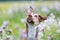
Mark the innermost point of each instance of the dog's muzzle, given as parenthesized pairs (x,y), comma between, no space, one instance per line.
(30,20)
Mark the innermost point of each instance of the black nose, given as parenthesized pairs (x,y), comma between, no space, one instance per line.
(30,20)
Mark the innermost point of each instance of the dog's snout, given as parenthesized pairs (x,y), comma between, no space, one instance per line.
(30,20)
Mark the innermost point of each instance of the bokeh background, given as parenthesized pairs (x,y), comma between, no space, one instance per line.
(14,13)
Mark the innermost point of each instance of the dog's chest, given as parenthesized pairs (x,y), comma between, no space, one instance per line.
(31,31)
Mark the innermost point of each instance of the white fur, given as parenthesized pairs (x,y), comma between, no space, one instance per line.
(32,31)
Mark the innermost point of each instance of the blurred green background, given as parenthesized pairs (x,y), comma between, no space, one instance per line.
(15,13)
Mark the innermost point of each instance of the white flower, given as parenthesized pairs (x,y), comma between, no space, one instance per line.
(1,30)
(10,11)
(9,37)
(41,26)
(49,37)
(32,4)
(51,6)
(10,31)
(52,15)
(57,5)
(51,19)
(5,24)
(40,34)
(27,6)
(21,7)
(58,24)
(44,9)
(58,30)
(23,20)
(48,28)
(15,7)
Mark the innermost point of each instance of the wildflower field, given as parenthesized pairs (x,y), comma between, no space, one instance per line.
(13,15)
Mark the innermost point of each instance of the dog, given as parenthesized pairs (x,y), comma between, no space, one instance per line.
(32,21)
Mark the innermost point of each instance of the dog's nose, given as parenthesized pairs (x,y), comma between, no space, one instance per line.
(30,20)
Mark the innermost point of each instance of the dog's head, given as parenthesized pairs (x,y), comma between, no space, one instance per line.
(34,18)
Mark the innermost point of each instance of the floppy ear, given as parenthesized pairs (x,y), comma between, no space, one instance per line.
(42,18)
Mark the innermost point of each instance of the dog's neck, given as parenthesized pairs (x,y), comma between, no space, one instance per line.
(32,31)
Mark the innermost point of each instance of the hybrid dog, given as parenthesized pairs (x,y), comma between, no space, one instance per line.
(32,21)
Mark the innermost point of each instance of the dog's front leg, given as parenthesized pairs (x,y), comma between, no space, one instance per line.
(27,30)
(37,33)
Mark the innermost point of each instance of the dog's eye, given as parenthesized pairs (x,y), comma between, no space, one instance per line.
(35,15)
(30,15)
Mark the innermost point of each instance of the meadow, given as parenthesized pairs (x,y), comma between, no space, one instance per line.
(14,14)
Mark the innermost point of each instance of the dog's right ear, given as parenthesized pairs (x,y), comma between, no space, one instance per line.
(42,18)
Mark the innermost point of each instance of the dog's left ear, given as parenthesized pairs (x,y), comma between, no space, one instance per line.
(30,11)
(42,18)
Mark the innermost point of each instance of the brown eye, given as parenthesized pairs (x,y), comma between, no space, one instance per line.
(30,15)
(35,15)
